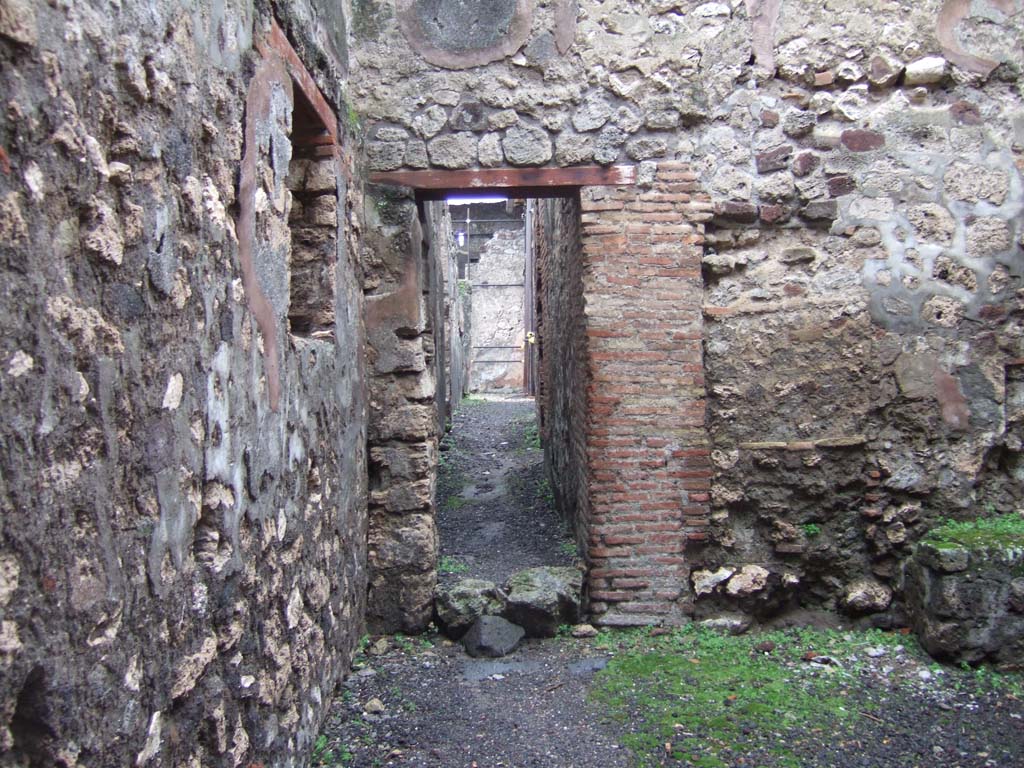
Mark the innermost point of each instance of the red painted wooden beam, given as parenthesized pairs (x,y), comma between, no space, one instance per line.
(537,182)
(278,41)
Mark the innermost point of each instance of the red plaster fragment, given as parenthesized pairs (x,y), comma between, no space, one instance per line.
(860,140)
(955,411)
(257,107)
(952,13)
(763,15)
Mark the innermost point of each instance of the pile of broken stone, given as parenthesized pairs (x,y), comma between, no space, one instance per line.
(492,620)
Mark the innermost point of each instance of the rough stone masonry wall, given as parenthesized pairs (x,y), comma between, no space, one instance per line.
(497,324)
(182,481)
(407,256)
(863,275)
(862,267)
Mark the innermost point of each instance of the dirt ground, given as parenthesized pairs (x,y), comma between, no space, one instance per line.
(421,701)
(495,514)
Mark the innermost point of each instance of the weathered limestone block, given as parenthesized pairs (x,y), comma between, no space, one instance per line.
(706,582)
(592,114)
(926,71)
(459,605)
(971,183)
(453,150)
(489,151)
(572,149)
(541,599)
(385,155)
(750,580)
(526,145)
(965,595)
(866,596)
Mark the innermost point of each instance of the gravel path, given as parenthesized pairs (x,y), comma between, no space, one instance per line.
(442,708)
(495,516)
(422,702)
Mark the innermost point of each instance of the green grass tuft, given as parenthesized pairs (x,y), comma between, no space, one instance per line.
(451,565)
(531,437)
(982,533)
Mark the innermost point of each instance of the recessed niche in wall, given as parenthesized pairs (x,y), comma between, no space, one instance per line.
(312,180)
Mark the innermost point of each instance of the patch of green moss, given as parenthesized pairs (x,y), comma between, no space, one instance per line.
(1002,531)
(692,694)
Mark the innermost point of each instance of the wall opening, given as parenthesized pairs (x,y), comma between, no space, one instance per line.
(496,506)
(618,305)
(313,221)
(491,251)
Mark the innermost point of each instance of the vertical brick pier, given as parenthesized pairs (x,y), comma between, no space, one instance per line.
(647,447)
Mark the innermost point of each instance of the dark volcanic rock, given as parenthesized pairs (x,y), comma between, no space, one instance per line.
(458,606)
(492,636)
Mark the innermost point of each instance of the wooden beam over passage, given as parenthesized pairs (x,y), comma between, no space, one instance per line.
(516,182)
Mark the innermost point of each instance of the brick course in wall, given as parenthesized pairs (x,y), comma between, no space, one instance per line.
(562,353)
(646,447)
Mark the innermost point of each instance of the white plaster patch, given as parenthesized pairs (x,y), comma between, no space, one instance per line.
(81,390)
(10,572)
(9,640)
(293,612)
(21,363)
(193,666)
(133,675)
(152,745)
(173,393)
(34,181)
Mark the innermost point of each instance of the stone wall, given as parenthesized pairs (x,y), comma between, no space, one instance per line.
(183,479)
(412,306)
(862,265)
(588,81)
(403,415)
(966,602)
(498,330)
(862,278)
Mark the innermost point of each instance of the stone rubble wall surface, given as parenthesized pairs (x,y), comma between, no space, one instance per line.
(862,250)
(182,545)
(967,603)
(498,313)
(415,329)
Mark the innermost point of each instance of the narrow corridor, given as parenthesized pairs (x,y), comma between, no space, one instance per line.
(495,513)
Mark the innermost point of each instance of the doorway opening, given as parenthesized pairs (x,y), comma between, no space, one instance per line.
(619,393)
(496,513)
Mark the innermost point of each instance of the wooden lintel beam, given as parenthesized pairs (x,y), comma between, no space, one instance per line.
(512,193)
(277,41)
(440,184)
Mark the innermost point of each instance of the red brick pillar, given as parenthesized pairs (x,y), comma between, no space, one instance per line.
(647,445)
